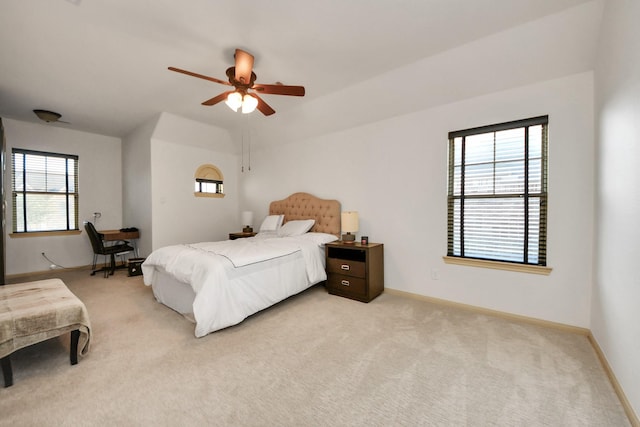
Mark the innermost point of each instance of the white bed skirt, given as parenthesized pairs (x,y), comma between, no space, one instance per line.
(174,294)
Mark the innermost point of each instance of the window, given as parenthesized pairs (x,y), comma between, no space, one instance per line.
(208,186)
(44,191)
(208,182)
(497,192)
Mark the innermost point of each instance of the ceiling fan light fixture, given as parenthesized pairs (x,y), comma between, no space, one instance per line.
(249,104)
(234,101)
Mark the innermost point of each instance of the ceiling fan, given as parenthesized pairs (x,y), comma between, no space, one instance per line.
(242,78)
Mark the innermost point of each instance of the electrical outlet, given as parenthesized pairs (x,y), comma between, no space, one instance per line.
(435,274)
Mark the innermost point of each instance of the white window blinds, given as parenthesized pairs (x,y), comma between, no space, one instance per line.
(497,196)
(45,191)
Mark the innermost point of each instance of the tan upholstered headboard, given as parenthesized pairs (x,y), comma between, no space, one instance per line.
(306,206)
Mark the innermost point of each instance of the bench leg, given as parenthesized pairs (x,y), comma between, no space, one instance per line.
(75,335)
(7,373)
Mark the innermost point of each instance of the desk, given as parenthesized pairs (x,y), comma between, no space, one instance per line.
(112,235)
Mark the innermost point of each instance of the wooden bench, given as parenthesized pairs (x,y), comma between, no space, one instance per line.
(33,312)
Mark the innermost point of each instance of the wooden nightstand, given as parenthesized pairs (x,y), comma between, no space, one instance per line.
(355,271)
(241,235)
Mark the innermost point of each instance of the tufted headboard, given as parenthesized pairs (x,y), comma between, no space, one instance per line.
(306,206)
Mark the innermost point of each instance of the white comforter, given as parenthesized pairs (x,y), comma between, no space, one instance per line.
(236,278)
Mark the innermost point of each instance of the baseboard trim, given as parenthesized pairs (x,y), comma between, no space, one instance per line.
(43,272)
(628,409)
(633,417)
(495,313)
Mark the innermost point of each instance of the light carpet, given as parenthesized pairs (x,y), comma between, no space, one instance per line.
(313,360)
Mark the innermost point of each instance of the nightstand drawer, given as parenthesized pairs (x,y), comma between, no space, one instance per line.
(351,285)
(346,267)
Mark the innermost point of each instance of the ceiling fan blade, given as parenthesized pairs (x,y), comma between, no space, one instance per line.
(216,99)
(279,89)
(200,76)
(244,66)
(263,107)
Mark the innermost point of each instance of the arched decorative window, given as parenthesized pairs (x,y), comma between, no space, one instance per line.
(209,182)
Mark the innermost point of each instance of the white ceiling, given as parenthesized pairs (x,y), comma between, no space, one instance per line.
(102,64)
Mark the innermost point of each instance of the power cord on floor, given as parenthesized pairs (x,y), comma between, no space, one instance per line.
(53,265)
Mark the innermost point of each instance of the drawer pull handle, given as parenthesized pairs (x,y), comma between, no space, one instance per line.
(345,282)
(345,267)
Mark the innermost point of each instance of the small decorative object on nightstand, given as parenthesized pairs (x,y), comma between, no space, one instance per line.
(354,270)
(242,235)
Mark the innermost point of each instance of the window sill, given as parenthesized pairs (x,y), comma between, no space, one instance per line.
(214,195)
(45,233)
(497,265)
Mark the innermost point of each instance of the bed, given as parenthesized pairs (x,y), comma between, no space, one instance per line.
(219,284)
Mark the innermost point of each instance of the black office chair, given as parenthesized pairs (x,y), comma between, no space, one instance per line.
(99,248)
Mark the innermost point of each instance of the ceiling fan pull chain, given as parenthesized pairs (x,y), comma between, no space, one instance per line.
(249,142)
(242,146)
(245,129)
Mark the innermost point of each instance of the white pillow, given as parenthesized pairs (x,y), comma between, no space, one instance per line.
(271,223)
(319,238)
(296,227)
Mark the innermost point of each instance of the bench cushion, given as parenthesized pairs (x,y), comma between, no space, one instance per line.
(36,311)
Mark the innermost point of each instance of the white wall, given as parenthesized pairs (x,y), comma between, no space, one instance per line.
(136,176)
(394,173)
(100,187)
(616,294)
(178,147)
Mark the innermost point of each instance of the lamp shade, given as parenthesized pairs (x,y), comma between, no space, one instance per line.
(247,218)
(349,221)
(249,104)
(234,101)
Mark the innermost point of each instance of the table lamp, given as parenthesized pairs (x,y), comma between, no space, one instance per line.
(349,225)
(247,221)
